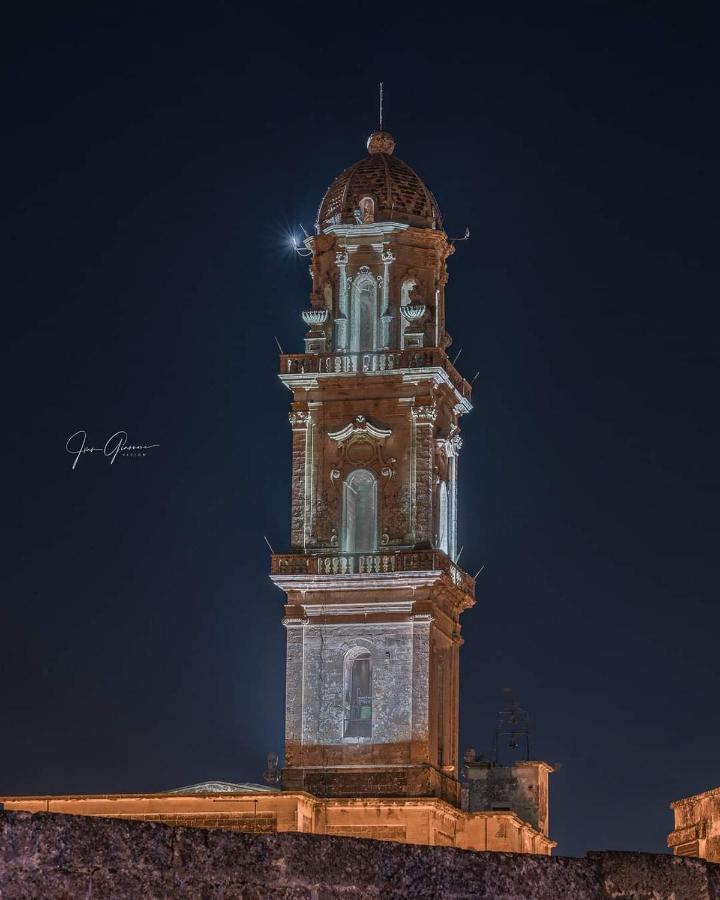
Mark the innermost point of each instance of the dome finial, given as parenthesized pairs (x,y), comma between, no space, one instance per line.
(381,142)
(381,99)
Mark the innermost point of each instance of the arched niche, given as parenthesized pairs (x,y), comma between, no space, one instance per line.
(367,210)
(364,314)
(443,525)
(357,693)
(406,289)
(359,512)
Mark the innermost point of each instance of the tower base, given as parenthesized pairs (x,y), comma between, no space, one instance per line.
(372,781)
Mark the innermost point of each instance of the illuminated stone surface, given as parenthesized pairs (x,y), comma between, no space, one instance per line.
(697,826)
(53,856)
(418,820)
(376,437)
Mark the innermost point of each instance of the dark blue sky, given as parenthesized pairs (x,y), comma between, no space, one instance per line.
(155,156)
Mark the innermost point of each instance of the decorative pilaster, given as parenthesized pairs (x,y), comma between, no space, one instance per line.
(420,687)
(299,420)
(453,446)
(385,318)
(423,425)
(341,321)
(293,689)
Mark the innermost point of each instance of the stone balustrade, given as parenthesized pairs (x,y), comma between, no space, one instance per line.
(375,361)
(381,561)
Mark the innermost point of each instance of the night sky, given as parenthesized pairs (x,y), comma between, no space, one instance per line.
(156,159)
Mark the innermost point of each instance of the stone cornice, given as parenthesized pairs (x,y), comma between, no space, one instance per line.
(310,380)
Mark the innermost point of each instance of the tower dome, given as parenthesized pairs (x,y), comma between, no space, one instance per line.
(379,188)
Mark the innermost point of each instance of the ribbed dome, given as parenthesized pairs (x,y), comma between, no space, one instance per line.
(397,192)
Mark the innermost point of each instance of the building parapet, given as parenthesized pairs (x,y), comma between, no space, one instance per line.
(374,361)
(381,562)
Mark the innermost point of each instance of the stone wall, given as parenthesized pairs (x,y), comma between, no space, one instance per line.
(54,856)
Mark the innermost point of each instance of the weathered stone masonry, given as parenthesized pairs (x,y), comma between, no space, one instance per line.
(53,857)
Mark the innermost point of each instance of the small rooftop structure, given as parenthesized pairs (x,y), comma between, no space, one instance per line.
(697,826)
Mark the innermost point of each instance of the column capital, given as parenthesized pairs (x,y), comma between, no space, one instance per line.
(425,414)
(295,622)
(454,445)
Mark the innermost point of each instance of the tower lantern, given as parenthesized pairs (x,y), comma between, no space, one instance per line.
(374,596)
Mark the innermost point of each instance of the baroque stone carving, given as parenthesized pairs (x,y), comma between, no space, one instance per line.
(358,445)
(425,414)
(456,443)
(314,317)
(414,312)
(298,418)
(360,425)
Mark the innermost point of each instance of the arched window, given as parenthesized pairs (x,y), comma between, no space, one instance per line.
(363,334)
(359,523)
(442,517)
(358,694)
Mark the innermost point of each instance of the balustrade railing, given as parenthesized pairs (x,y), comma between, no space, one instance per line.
(337,563)
(375,361)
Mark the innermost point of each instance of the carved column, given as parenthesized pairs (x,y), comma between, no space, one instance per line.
(453,446)
(423,427)
(385,317)
(299,421)
(341,321)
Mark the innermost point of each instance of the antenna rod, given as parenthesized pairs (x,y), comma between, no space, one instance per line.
(381,105)
(269,545)
(282,352)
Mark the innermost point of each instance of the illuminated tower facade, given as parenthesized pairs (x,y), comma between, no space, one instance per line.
(374,596)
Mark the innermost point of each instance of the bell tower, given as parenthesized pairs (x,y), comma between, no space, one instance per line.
(374,596)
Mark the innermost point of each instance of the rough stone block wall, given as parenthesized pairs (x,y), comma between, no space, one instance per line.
(324,657)
(498,787)
(53,856)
